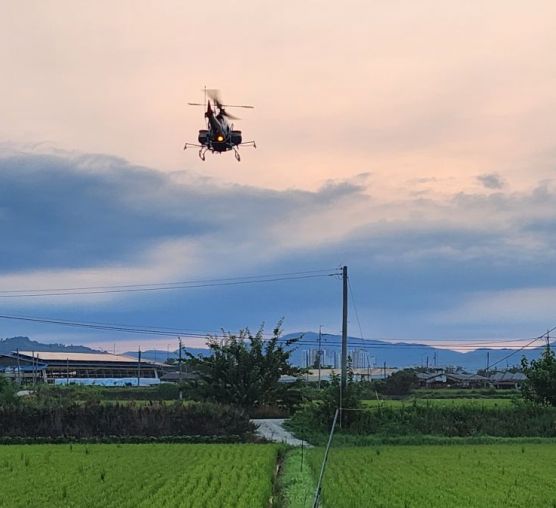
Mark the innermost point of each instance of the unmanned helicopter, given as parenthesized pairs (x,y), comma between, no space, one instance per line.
(220,135)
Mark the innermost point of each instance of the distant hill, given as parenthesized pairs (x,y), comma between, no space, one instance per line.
(26,344)
(398,354)
(403,354)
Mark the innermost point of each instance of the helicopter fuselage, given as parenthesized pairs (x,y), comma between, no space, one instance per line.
(219,136)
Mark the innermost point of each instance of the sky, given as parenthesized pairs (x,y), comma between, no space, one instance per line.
(411,141)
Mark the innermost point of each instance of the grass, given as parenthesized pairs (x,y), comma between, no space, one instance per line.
(296,483)
(196,476)
(456,402)
(501,475)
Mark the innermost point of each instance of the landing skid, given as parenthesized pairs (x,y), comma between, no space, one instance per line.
(203,149)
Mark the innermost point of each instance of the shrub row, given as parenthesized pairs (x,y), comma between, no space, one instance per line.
(124,440)
(163,391)
(94,420)
(518,421)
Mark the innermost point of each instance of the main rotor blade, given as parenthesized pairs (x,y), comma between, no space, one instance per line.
(228,115)
(214,94)
(237,106)
(194,104)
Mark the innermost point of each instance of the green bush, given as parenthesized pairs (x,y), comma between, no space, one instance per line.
(513,421)
(92,420)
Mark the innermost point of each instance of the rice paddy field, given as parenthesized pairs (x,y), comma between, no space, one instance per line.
(501,475)
(456,402)
(144,475)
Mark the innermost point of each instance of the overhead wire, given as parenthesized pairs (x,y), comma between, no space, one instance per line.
(186,282)
(301,340)
(160,288)
(522,348)
(352,299)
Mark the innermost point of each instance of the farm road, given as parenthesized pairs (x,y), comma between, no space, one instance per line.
(273,430)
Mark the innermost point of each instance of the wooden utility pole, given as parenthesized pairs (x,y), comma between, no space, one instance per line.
(343,383)
(18,367)
(181,374)
(320,350)
(139,367)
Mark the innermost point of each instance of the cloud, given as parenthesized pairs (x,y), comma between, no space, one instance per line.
(420,265)
(83,212)
(491,181)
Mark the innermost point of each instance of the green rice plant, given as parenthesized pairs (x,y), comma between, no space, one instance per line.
(143,475)
(471,476)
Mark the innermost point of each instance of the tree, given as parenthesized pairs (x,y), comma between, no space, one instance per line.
(540,386)
(245,370)
(399,383)
(7,392)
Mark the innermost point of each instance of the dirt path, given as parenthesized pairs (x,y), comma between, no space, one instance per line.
(273,430)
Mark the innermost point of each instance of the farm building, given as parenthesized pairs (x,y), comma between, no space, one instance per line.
(79,368)
(440,378)
(21,369)
(507,379)
(435,379)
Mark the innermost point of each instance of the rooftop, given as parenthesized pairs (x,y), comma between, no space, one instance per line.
(77,357)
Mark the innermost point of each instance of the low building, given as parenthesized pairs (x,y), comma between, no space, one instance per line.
(436,379)
(80,368)
(22,370)
(507,379)
(464,380)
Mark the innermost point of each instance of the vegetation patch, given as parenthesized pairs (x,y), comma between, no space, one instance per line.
(196,476)
(450,421)
(506,475)
(296,483)
(94,420)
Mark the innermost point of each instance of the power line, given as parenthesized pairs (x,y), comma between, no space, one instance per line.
(186,282)
(355,308)
(135,329)
(99,326)
(173,332)
(521,349)
(164,288)
(363,346)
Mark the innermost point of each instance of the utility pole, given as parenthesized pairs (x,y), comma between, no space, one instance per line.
(343,384)
(139,367)
(18,367)
(320,350)
(67,371)
(179,355)
(181,379)
(488,362)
